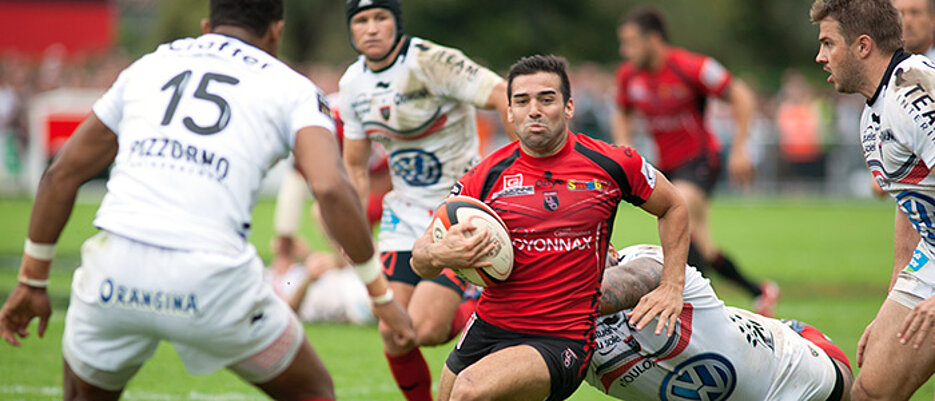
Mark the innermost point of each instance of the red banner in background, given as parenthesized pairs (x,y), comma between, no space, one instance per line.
(80,26)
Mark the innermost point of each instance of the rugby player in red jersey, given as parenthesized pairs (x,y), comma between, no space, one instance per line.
(669,87)
(532,336)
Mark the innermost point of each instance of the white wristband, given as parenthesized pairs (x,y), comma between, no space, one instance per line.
(39,251)
(31,282)
(369,270)
(384,299)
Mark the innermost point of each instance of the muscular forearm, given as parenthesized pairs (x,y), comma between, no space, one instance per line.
(905,239)
(674,236)
(54,202)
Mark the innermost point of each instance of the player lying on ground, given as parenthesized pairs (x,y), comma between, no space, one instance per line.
(717,352)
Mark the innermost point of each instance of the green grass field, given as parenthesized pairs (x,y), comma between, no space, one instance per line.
(831,258)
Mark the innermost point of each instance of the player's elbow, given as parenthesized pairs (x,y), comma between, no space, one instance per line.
(60,177)
(330,190)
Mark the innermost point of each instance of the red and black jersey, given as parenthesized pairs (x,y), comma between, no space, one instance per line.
(560,212)
(672,99)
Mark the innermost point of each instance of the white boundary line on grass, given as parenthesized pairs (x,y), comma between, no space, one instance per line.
(56,393)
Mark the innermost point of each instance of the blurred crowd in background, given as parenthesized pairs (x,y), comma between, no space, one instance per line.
(803,141)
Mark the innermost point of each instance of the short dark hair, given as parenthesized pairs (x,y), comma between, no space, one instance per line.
(877,19)
(539,63)
(255,15)
(649,20)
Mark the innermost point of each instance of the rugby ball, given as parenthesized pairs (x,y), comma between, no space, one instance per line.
(459,209)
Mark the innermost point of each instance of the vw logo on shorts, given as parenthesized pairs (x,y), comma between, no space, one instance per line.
(704,377)
(416,166)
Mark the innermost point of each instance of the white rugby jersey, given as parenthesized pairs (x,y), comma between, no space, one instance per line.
(717,353)
(199,121)
(898,140)
(422,110)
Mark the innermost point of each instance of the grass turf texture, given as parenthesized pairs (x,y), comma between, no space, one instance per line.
(831,258)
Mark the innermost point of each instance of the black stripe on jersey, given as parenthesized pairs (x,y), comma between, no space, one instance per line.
(613,169)
(494,174)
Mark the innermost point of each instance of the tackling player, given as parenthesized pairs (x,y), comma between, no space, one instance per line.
(191,129)
(718,353)
(532,336)
(418,100)
(670,87)
(860,46)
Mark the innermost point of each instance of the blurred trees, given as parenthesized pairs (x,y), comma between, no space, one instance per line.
(757,39)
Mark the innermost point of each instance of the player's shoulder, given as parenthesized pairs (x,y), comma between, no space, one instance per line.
(434,59)
(911,70)
(625,71)
(353,73)
(509,152)
(684,57)
(614,152)
(505,156)
(909,74)
(424,51)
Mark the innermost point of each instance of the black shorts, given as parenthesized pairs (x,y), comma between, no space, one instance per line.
(702,171)
(396,267)
(566,359)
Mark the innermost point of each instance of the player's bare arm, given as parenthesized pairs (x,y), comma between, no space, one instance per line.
(90,150)
(463,247)
(673,225)
(498,101)
(743,101)
(620,126)
(623,286)
(357,159)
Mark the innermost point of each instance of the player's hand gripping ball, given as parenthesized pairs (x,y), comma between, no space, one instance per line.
(459,209)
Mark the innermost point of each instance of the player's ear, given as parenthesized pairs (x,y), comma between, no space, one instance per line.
(275,28)
(205,25)
(570,108)
(864,45)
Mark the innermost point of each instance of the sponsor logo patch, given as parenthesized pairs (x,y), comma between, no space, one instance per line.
(592,185)
(113,294)
(416,167)
(514,191)
(918,260)
(513,180)
(548,182)
(705,376)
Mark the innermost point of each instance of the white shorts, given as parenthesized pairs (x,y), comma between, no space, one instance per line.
(404,220)
(215,309)
(914,283)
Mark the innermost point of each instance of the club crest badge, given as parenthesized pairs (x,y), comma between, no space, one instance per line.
(550,201)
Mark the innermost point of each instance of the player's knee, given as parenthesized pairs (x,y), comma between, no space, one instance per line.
(465,389)
(431,333)
(859,392)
